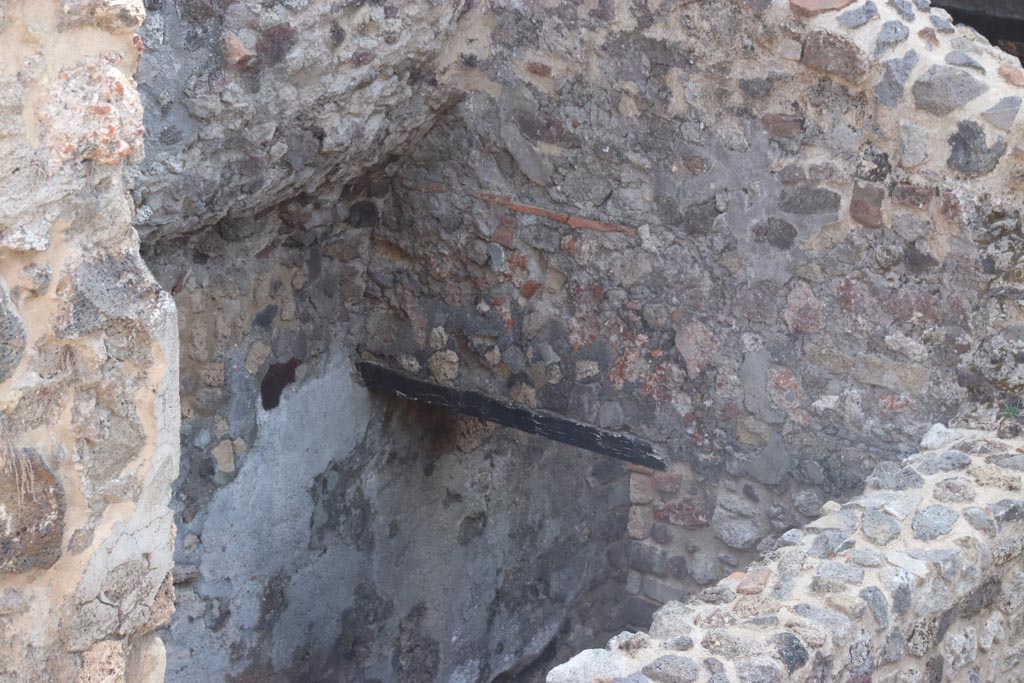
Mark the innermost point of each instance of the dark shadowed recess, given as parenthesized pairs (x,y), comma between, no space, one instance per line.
(1001,21)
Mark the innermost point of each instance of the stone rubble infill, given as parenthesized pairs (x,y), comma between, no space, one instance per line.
(918,580)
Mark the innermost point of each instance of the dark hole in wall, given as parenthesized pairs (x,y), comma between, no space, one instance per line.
(363,214)
(279,375)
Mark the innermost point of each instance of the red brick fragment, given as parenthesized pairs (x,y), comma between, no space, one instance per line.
(577,222)
(912,195)
(504,237)
(235,51)
(754,582)
(538,69)
(681,513)
(668,482)
(529,288)
(835,55)
(783,125)
(866,204)
(1012,75)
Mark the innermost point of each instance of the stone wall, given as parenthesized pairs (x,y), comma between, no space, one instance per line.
(917,580)
(781,253)
(326,534)
(88,358)
(252,103)
(778,237)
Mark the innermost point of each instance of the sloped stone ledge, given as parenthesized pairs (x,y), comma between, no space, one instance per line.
(918,579)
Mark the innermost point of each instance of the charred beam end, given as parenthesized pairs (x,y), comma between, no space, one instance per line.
(541,422)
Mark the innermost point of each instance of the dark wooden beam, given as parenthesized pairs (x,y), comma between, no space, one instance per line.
(541,422)
(994,19)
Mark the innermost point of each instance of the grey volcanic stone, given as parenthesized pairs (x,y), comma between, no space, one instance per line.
(672,669)
(980,520)
(894,80)
(791,537)
(808,503)
(832,575)
(949,561)
(855,18)
(893,33)
(840,571)
(12,337)
(806,200)
(889,476)
(941,25)
(875,599)
(970,153)
(933,521)
(954,490)
(661,592)
(913,144)
(945,89)
(947,462)
(879,527)
(759,670)
(902,592)
(836,55)
(717,595)
(632,678)
(1003,113)
(772,464)
(776,232)
(645,558)
(739,532)
(893,648)
(958,58)
(1007,510)
(903,7)
(677,566)
(836,623)
(680,643)
(865,557)
(756,87)
(790,650)
(704,570)
(829,542)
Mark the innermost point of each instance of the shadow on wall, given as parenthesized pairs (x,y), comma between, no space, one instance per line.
(355,531)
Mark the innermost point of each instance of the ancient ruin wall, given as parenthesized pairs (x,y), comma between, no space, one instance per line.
(325,534)
(297,522)
(918,580)
(778,241)
(88,357)
(251,103)
(781,253)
